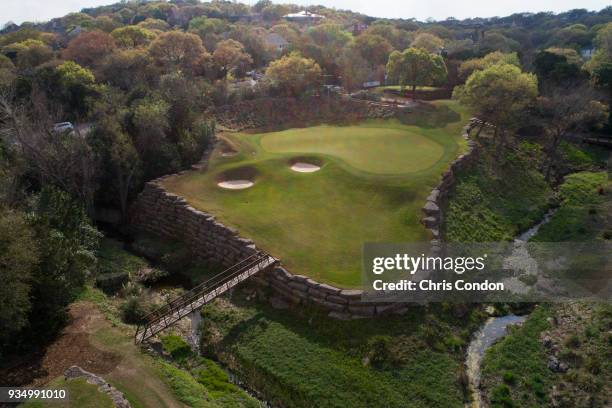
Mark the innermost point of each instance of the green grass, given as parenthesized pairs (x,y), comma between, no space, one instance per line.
(584,213)
(81,395)
(112,258)
(495,200)
(311,360)
(520,356)
(373,182)
(374,149)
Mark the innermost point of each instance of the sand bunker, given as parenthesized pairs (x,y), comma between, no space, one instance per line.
(236,184)
(305,167)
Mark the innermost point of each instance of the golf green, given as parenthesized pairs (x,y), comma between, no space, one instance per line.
(374,179)
(372,148)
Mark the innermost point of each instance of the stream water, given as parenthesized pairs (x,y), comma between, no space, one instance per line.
(491,331)
(494,328)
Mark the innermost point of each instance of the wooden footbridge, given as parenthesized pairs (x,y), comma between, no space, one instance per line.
(200,295)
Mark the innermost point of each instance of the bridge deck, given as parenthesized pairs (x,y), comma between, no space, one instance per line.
(202,294)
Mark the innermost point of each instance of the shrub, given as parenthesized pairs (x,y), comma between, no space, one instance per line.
(133,310)
(380,351)
(177,348)
(509,378)
(573,341)
(501,398)
(111,283)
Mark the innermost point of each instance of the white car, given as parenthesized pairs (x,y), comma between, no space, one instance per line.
(63,127)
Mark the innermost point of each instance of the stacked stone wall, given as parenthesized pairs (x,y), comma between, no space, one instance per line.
(165,214)
(274,113)
(433,216)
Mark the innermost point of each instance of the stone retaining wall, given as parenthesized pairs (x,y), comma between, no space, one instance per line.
(119,401)
(167,215)
(432,210)
(273,113)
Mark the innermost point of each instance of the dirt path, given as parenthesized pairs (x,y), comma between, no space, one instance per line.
(93,343)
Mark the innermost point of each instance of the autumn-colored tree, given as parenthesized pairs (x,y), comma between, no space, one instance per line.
(415,67)
(230,56)
(354,69)
(127,68)
(428,42)
(293,74)
(177,50)
(89,49)
(399,39)
(374,48)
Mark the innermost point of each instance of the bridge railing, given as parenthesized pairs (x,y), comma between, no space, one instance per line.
(254,261)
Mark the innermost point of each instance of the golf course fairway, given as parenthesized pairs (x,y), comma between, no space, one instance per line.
(374,179)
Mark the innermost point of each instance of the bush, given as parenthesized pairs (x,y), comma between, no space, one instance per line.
(509,378)
(380,351)
(133,310)
(111,283)
(177,348)
(501,398)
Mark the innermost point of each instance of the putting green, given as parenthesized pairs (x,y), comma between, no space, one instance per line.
(372,148)
(374,179)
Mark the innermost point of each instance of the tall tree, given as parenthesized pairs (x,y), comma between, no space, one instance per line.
(499,95)
(374,48)
(176,50)
(132,36)
(230,56)
(19,256)
(428,42)
(293,74)
(416,67)
(90,48)
(564,109)
(118,159)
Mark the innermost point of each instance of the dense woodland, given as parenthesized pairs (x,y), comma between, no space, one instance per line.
(140,82)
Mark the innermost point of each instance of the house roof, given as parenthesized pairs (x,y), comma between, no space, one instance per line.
(304,15)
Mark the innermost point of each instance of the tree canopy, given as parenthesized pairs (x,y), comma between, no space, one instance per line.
(416,67)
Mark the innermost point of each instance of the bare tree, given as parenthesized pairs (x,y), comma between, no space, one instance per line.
(564,110)
(63,159)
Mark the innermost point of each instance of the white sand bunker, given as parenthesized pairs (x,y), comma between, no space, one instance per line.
(305,167)
(236,184)
(229,154)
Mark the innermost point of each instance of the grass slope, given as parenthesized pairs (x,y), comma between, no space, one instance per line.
(514,370)
(584,212)
(313,361)
(373,182)
(493,200)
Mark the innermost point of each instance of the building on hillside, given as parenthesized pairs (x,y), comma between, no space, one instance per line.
(359,28)
(304,17)
(277,42)
(587,52)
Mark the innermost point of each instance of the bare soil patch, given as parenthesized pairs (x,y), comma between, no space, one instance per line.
(72,347)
